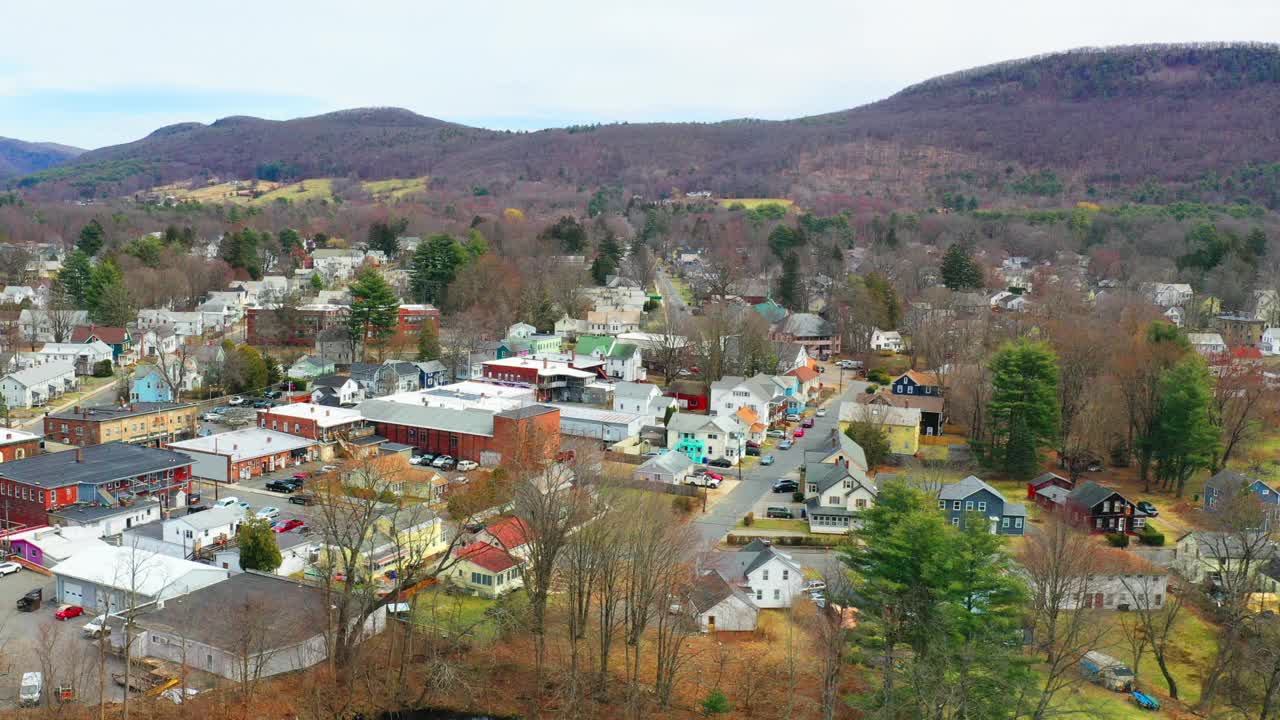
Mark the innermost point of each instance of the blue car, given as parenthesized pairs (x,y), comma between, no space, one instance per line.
(766,460)
(785,445)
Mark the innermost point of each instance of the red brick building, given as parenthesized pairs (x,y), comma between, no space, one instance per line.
(473,434)
(315,422)
(412,318)
(103,475)
(242,454)
(16,445)
(305,323)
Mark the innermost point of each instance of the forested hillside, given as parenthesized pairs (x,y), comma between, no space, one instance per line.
(22,158)
(1150,123)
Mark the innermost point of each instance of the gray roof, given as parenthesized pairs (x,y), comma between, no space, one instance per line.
(814,507)
(285,611)
(42,373)
(115,413)
(94,513)
(1090,493)
(634,390)
(527,411)
(710,589)
(102,464)
(333,381)
(824,474)
(469,422)
(757,554)
(214,517)
(1015,509)
(806,325)
(363,372)
(965,488)
(1042,477)
(1229,481)
(430,366)
(1054,493)
(671,462)
(838,442)
(691,423)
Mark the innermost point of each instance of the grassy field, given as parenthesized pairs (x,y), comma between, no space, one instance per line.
(795,526)
(456,615)
(299,192)
(396,188)
(316,189)
(750,203)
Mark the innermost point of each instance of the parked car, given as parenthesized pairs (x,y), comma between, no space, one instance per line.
(300,476)
(779,512)
(808,423)
(811,586)
(785,486)
(753,451)
(720,463)
(31,691)
(227,501)
(702,480)
(444,462)
(785,445)
(766,460)
(467,465)
(792,417)
(282,486)
(192,509)
(235,400)
(96,627)
(1148,508)
(1095,466)
(67,612)
(287,525)
(262,404)
(211,416)
(776,433)
(9,568)
(267,513)
(799,433)
(272,395)
(822,412)
(303,499)
(714,475)
(328,468)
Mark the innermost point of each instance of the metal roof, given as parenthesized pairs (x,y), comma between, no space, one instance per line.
(468,422)
(103,463)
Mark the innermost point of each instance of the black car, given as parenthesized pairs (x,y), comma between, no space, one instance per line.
(303,499)
(282,486)
(1148,508)
(779,512)
(720,463)
(785,486)
(753,451)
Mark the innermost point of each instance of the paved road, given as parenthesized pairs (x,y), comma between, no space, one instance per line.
(100,397)
(671,296)
(755,482)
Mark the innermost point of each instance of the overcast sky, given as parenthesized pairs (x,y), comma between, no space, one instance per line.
(92,73)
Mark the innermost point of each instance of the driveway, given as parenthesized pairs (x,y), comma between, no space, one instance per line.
(722,518)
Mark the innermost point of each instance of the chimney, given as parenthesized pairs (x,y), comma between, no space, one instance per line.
(79,454)
(268,439)
(76,410)
(544,363)
(326,413)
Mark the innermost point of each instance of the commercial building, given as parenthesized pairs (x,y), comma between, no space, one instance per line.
(110,579)
(154,424)
(112,475)
(17,444)
(473,433)
(609,426)
(242,454)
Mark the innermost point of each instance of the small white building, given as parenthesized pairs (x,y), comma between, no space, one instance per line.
(1208,344)
(185,324)
(1270,343)
(606,425)
(36,386)
(703,438)
(83,356)
(886,340)
(642,399)
(116,578)
(200,529)
(1115,580)
(671,468)
(720,606)
(772,579)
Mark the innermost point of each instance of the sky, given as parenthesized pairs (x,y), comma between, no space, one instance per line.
(89,73)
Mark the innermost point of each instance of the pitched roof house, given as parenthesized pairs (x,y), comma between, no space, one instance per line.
(836,495)
(969,495)
(772,579)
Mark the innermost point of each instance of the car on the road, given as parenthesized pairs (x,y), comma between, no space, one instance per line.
(235,400)
(262,404)
(753,451)
(69,611)
(822,412)
(777,433)
(1148,508)
(785,486)
(267,513)
(720,463)
(211,416)
(811,586)
(766,460)
(300,477)
(282,486)
(792,417)
(799,433)
(467,465)
(287,525)
(227,501)
(708,480)
(808,423)
(785,445)
(303,499)
(9,568)
(273,395)
(779,512)
(96,627)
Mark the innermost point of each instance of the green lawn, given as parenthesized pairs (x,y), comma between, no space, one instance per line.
(681,287)
(300,192)
(796,526)
(459,614)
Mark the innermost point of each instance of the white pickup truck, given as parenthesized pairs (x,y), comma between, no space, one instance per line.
(97,627)
(702,480)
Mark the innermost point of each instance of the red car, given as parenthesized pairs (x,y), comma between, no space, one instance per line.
(69,612)
(300,476)
(799,433)
(714,476)
(288,525)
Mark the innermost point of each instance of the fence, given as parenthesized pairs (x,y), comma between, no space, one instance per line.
(624,458)
(685,490)
(811,540)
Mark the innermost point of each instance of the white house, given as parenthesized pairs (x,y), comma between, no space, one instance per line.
(39,324)
(1174,315)
(886,340)
(83,356)
(705,438)
(1270,343)
(1207,344)
(203,528)
(259,293)
(609,426)
(15,294)
(185,324)
(37,385)
(771,579)
(720,606)
(836,494)
(671,468)
(336,263)
(336,390)
(612,322)
(1114,580)
(761,393)
(1168,294)
(642,399)
(156,341)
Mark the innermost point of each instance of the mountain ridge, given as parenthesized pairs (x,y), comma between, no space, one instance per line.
(21,157)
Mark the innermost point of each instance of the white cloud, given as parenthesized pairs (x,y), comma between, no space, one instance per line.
(558,60)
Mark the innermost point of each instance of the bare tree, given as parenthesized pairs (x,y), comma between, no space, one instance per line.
(830,627)
(583,561)
(1241,399)
(1156,614)
(641,266)
(176,367)
(62,314)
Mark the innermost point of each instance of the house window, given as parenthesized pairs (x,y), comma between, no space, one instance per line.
(982,506)
(833,499)
(765,575)
(968,505)
(813,488)
(942,504)
(955,505)
(955,521)
(1099,523)
(1004,522)
(777,594)
(1017,522)
(759,594)
(860,503)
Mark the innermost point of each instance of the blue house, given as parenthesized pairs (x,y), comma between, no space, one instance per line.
(1221,487)
(148,385)
(432,373)
(970,495)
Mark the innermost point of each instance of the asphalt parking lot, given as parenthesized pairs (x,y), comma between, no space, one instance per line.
(27,637)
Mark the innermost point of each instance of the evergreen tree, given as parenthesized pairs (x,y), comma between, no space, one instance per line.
(959,270)
(881,289)
(1024,406)
(75,277)
(240,250)
(258,547)
(569,233)
(103,281)
(789,293)
(873,440)
(1186,438)
(289,239)
(92,238)
(115,306)
(384,236)
(374,305)
(435,265)
(317,282)
(428,342)
(602,267)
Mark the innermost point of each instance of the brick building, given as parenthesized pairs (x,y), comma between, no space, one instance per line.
(17,444)
(471,434)
(242,454)
(315,422)
(412,318)
(262,325)
(110,475)
(154,424)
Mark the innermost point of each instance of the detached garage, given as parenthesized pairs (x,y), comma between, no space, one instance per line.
(109,578)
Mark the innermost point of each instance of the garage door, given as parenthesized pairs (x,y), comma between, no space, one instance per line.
(72,593)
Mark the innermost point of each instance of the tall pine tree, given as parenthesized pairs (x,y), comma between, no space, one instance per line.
(374,310)
(1024,406)
(959,271)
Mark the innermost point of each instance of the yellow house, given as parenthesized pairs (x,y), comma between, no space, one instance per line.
(487,570)
(901,426)
(402,541)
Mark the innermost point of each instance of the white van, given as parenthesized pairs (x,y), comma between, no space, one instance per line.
(31,690)
(227,501)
